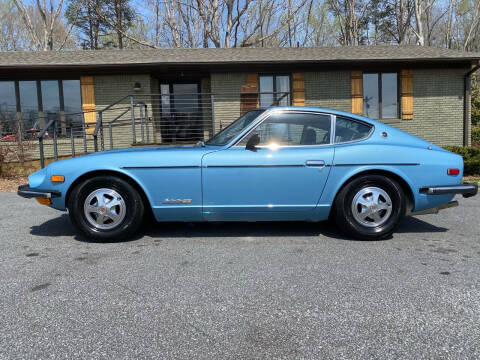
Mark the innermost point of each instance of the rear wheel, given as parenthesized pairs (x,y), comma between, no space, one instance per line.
(370,207)
(106,208)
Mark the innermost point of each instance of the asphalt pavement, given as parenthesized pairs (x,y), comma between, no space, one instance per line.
(239,290)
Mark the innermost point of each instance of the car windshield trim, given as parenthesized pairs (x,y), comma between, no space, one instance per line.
(248,118)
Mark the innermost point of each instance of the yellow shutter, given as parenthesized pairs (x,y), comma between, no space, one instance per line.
(252,80)
(298,82)
(357,92)
(407,94)
(249,93)
(88,102)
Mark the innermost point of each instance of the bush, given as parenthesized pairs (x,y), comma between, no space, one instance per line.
(4,151)
(476,136)
(471,158)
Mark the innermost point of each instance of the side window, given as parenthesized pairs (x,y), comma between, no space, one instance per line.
(350,130)
(290,129)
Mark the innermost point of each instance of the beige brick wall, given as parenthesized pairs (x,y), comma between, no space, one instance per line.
(227,87)
(437,106)
(438,101)
(206,105)
(329,89)
(111,88)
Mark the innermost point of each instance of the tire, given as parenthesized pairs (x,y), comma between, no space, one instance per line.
(360,216)
(106,208)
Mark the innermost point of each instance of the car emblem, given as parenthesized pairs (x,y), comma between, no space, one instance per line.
(177,201)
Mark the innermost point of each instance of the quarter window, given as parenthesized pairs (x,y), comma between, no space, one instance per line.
(274,88)
(292,129)
(350,130)
(380,95)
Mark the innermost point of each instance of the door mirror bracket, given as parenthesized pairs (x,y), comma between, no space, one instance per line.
(253,142)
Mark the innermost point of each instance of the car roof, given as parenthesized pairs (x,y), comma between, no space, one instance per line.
(324,110)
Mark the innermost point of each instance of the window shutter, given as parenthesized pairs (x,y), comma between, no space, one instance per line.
(249,94)
(252,80)
(357,92)
(88,102)
(407,94)
(298,81)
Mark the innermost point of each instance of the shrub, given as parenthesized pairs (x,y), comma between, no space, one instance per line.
(475,101)
(476,136)
(471,158)
(4,151)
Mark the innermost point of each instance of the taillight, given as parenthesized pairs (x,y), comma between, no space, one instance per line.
(453,171)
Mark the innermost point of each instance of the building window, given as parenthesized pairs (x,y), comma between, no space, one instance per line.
(273,89)
(29,104)
(380,95)
(37,102)
(8,109)
(72,101)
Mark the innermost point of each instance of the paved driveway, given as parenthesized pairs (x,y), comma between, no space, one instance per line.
(239,290)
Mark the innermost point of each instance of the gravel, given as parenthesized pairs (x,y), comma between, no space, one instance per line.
(265,290)
(12,184)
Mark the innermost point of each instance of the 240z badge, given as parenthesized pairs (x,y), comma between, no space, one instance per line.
(177,201)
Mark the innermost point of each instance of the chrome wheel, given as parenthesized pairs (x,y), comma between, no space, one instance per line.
(371,206)
(104,208)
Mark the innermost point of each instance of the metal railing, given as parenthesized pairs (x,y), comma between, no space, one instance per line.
(149,119)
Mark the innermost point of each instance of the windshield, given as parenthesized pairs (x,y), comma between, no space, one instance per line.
(235,128)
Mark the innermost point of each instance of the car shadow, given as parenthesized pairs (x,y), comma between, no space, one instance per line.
(61,226)
(412,224)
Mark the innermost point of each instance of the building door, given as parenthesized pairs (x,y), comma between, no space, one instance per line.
(181,117)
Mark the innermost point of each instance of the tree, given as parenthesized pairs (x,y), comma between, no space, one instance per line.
(122,14)
(394,20)
(471,18)
(83,14)
(322,28)
(12,30)
(350,15)
(48,17)
(422,10)
(475,100)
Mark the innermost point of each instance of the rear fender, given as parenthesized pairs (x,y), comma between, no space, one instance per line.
(340,175)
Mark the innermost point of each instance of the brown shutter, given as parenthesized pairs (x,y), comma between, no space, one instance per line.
(252,80)
(357,92)
(88,102)
(407,94)
(298,82)
(249,94)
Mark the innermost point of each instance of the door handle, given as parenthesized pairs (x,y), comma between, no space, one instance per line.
(315,163)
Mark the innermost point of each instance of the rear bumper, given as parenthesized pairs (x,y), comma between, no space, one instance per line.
(27,192)
(467,190)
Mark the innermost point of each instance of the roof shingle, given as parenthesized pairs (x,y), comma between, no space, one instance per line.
(231,56)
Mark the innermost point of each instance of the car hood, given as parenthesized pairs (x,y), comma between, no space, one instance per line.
(139,157)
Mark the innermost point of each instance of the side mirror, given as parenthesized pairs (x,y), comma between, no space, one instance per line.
(253,142)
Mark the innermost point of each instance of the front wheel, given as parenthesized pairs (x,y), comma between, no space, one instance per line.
(106,208)
(370,207)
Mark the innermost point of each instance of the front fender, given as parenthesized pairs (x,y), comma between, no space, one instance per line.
(72,173)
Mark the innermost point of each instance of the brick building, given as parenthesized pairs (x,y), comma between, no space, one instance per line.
(422,90)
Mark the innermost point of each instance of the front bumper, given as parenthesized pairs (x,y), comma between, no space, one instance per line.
(27,192)
(466,189)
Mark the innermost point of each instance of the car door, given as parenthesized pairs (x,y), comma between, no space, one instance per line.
(282,178)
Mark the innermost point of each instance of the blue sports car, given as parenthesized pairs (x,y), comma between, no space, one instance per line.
(274,164)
